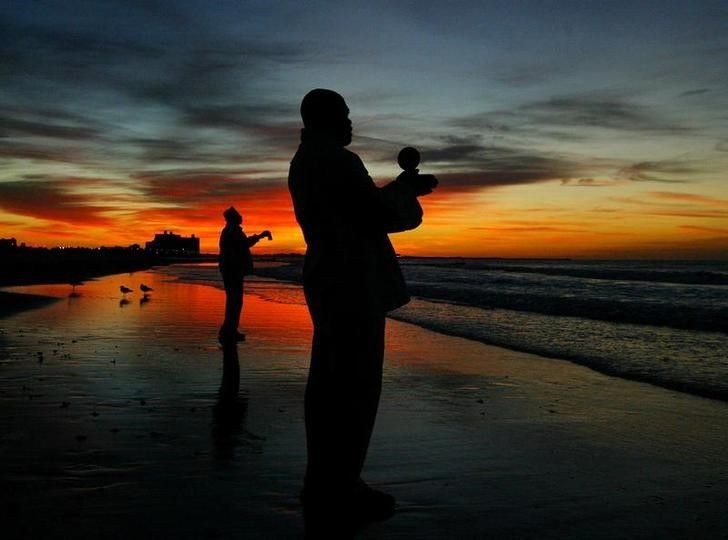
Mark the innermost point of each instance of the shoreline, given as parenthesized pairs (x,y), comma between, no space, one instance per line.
(687,318)
(285,275)
(603,369)
(124,411)
(18,303)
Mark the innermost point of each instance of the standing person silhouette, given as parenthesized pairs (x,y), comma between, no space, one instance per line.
(351,279)
(235,263)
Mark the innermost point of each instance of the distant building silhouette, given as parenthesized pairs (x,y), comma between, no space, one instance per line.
(8,244)
(168,243)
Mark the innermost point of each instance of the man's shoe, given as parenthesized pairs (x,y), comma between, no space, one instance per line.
(372,504)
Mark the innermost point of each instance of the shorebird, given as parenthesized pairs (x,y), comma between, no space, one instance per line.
(74,283)
(145,289)
(124,289)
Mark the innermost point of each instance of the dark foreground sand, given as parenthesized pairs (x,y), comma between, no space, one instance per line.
(11,303)
(113,425)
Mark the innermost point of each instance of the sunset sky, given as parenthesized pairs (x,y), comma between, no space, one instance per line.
(556,128)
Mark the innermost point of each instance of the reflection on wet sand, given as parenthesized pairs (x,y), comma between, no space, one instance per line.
(118,412)
(134,423)
(228,414)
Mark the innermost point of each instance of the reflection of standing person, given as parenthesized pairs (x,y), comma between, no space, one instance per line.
(351,279)
(235,263)
(228,413)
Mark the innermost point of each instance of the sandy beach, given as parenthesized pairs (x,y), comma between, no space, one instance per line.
(123,418)
(11,303)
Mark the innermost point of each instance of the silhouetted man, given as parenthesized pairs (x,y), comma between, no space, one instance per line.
(351,279)
(235,263)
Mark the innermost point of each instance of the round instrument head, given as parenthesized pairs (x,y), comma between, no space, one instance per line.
(408,158)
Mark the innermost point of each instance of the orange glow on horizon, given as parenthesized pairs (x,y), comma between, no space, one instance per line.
(506,222)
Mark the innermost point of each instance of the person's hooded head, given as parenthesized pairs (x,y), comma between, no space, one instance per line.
(325,115)
(232,216)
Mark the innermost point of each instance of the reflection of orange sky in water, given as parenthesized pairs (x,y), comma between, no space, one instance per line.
(188,316)
(187,313)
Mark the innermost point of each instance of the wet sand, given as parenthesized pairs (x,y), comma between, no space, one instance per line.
(11,303)
(123,418)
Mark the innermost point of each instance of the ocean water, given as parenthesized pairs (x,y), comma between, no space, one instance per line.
(660,322)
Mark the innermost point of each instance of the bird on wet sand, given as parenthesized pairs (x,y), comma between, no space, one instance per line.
(75,283)
(145,289)
(124,289)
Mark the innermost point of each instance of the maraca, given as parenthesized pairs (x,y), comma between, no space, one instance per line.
(408,160)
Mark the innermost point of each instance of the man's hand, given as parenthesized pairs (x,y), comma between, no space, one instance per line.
(422,184)
(266,234)
(426,183)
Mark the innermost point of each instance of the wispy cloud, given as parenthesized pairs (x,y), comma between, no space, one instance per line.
(268,207)
(41,152)
(699,228)
(694,92)
(533,229)
(708,214)
(676,204)
(464,164)
(605,112)
(600,111)
(54,201)
(666,171)
(587,182)
(152,92)
(194,188)
(19,127)
(691,198)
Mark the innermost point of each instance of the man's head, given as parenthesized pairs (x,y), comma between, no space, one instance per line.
(324,113)
(232,216)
